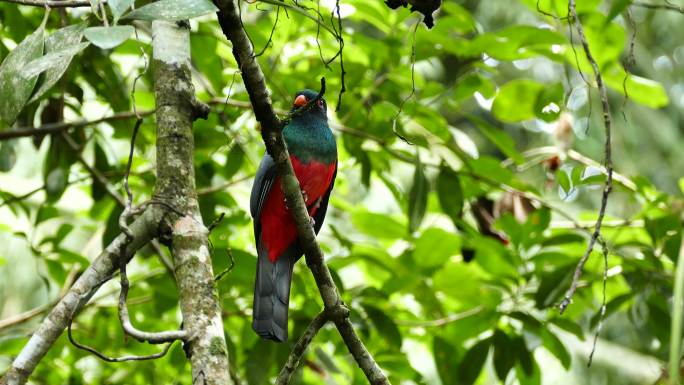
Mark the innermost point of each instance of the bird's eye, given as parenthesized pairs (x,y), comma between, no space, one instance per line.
(320,103)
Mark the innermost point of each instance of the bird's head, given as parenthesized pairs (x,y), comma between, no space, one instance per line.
(318,109)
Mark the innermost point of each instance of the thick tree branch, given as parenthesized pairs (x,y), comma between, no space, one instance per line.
(607,123)
(99,272)
(175,187)
(271,128)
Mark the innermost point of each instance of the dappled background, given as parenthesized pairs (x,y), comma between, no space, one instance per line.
(486,105)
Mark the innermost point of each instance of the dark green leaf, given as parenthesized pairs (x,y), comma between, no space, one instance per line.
(556,347)
(445,354)
(417,197)
(234,161)
(472,362)
(384,325)
(450,193)
(504,357)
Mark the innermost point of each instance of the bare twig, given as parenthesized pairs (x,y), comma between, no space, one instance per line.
(300,348)
(223,186)
(65,126)
(602,312)
(413,86)
(103,357)
(442,321)
(99,272)
(271,128)
(151,337)
(608,158)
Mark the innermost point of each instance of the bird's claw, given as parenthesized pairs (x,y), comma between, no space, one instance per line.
(312,222)
(305,196)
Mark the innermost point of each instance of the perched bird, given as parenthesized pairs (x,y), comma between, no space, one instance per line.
(313,153)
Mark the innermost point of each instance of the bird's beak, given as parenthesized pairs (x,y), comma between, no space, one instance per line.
(300,101)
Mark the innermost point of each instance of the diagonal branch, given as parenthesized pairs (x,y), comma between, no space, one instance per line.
(299,349)
(607,123)
(271,130)
(99,272)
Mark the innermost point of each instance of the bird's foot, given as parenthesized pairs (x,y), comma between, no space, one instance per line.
(312,222)
(305,196)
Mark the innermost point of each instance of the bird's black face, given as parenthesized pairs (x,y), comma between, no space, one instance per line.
(303,97)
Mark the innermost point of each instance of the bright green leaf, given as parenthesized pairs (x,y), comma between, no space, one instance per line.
(516,100)
(108,37)
(435,246)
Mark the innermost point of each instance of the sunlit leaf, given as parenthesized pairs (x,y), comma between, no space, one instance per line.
(108,37)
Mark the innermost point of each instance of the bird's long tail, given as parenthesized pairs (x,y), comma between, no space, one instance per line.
(272,294)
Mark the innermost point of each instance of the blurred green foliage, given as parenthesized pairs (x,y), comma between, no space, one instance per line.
(494,101)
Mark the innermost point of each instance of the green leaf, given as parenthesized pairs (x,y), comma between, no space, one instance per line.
(522,355)
(569,326)
(234,161)
(616,8)
(549,102)
(555,347)
(500,138)
(108,37)
(8,157)
(118,7)
(384,325)
(473,361)
(504,357)
(378,225)
(435,246)
(563,181)
(172,10)
(611,307)
(98,191)
(59,41)
(417,197)
(445,355)
(259,361)
(15,90)
(55,183)
(112,228)
(472,83)
(517,100)
(52,61)
(450,193)
(45,212)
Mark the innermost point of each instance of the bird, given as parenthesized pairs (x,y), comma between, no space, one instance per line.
(313,153)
